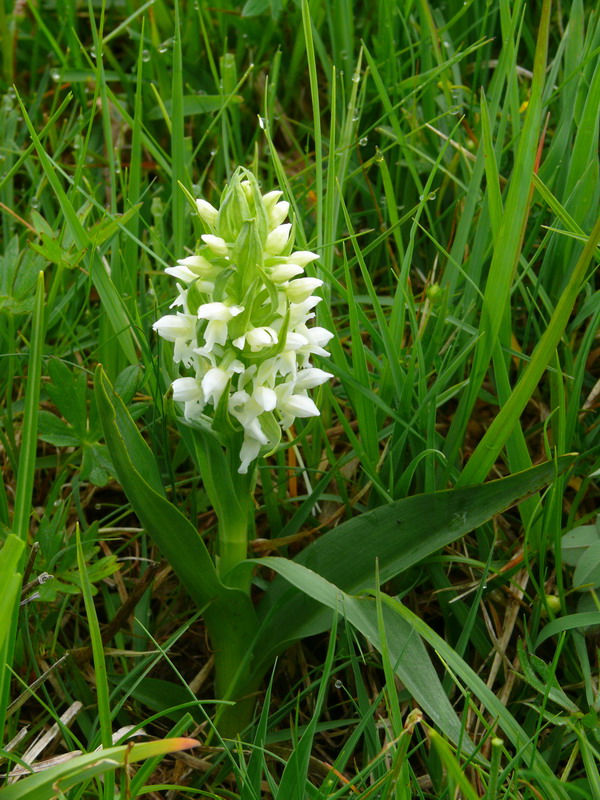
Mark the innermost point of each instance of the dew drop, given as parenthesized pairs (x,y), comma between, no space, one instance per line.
(145,55)
(34,202)
(262,122)
(356,77)
(338,684)
(363,141)
(55,74)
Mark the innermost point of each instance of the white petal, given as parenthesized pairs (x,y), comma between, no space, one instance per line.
(319,336)
(294,341)
(309,378)
(278,213)
(270,199)
(302,288)
(249,451)
(216,244)
(213,384)
(301,406)
(186,390)
(258,338)
(215,333)
(283,272)
(278,239)
(265,397)
(182,273)
(218,311)
(176,326)
(207,212)
(200,266)
(303,257)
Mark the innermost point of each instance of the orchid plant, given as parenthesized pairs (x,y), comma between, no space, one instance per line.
(243,336)
(243,341)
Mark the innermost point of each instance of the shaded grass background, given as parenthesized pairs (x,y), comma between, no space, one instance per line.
(451,224)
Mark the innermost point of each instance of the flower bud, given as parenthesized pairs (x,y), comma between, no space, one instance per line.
(216,244)
(278,238)
(301,289)
(278,214)
(208,213)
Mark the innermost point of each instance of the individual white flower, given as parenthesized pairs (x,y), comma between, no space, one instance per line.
(301,289)
(189,392)
(258,338)
(216,244)
(303,257)
(265,397)
(176,326)
(250,450)
(317,339)
(218,315)
(270,199)
(284,272)
(214,383)
(311,377)
(301,313)
(180,329)
(185,390)
(278,238)
(185,274)
(278,213)
(218,311)
(207,212)
(200,266)
(292,405)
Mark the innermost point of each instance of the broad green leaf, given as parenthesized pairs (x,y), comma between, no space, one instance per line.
(56,431)
(397,535)
(45,785)
(587,571)
(229,613)
(495,707)
(568,623)
(405,648)
(138,474)
(576,542)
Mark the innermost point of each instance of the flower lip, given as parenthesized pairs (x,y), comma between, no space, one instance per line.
(218,311)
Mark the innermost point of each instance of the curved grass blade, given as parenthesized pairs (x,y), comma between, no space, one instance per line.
(51,782)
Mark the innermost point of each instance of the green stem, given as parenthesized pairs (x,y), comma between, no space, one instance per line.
(231,496)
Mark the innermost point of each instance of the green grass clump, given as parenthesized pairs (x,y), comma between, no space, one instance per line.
(442,160)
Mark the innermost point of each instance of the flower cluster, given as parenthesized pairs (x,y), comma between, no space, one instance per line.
(241,321)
